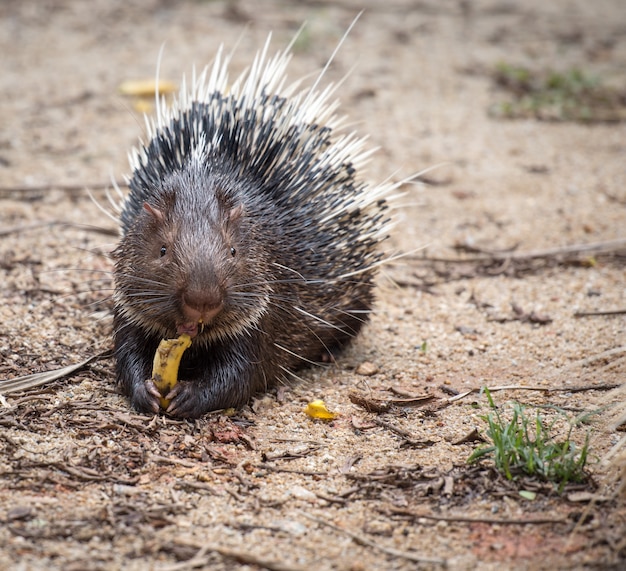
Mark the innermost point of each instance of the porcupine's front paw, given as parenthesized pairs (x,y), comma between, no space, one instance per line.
(186,401)
(145,397)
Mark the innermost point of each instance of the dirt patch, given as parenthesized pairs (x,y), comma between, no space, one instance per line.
(514,272)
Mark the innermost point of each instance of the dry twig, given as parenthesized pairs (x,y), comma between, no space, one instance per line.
(200,559)
(28,191)
(406,435)
(51,223)
(496,262)
(271,468)
(599,313)
(467,519)
(604,387)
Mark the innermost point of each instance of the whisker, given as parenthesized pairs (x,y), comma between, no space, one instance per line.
(292,374)
(316,363)
(289,270)
(315,317)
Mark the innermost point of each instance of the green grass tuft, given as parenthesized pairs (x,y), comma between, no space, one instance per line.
(524,445)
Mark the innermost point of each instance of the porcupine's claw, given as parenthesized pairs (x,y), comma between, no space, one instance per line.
(145,397)
(184,402)
(152,395)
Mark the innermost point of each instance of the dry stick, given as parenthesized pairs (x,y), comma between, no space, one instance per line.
(50,223)
(330,499)
(25,227)
(599,313)
(369,543)
(408,437)
(201,560)
(605,387)
(271,468)
(26,190)
(593,247)
(399,431)
(467,519)
(175,461)
(80,473)
(510,253)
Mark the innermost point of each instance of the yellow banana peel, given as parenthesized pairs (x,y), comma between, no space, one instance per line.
(166,362)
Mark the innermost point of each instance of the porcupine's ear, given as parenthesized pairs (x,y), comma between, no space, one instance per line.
(232,215)
(235,213)
(154,212)
(230,210)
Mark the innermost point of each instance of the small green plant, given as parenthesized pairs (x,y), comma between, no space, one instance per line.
(524,446)
(571,95)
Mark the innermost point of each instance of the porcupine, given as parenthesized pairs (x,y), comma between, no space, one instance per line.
(248,225)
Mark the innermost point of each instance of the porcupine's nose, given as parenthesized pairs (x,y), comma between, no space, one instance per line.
(199,306)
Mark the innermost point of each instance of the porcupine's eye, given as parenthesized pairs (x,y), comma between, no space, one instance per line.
(162,251)
(233,252)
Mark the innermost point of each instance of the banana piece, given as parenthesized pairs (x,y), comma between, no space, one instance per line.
(317,409)
(166,362)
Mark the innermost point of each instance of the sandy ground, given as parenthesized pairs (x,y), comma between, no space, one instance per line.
(86,483)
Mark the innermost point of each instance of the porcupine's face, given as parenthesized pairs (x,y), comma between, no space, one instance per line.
(189,263)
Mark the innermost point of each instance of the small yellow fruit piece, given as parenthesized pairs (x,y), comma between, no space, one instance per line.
(146,87)
(317,409)
(166,362)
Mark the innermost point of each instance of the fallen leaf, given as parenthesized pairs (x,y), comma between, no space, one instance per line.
(369,404)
